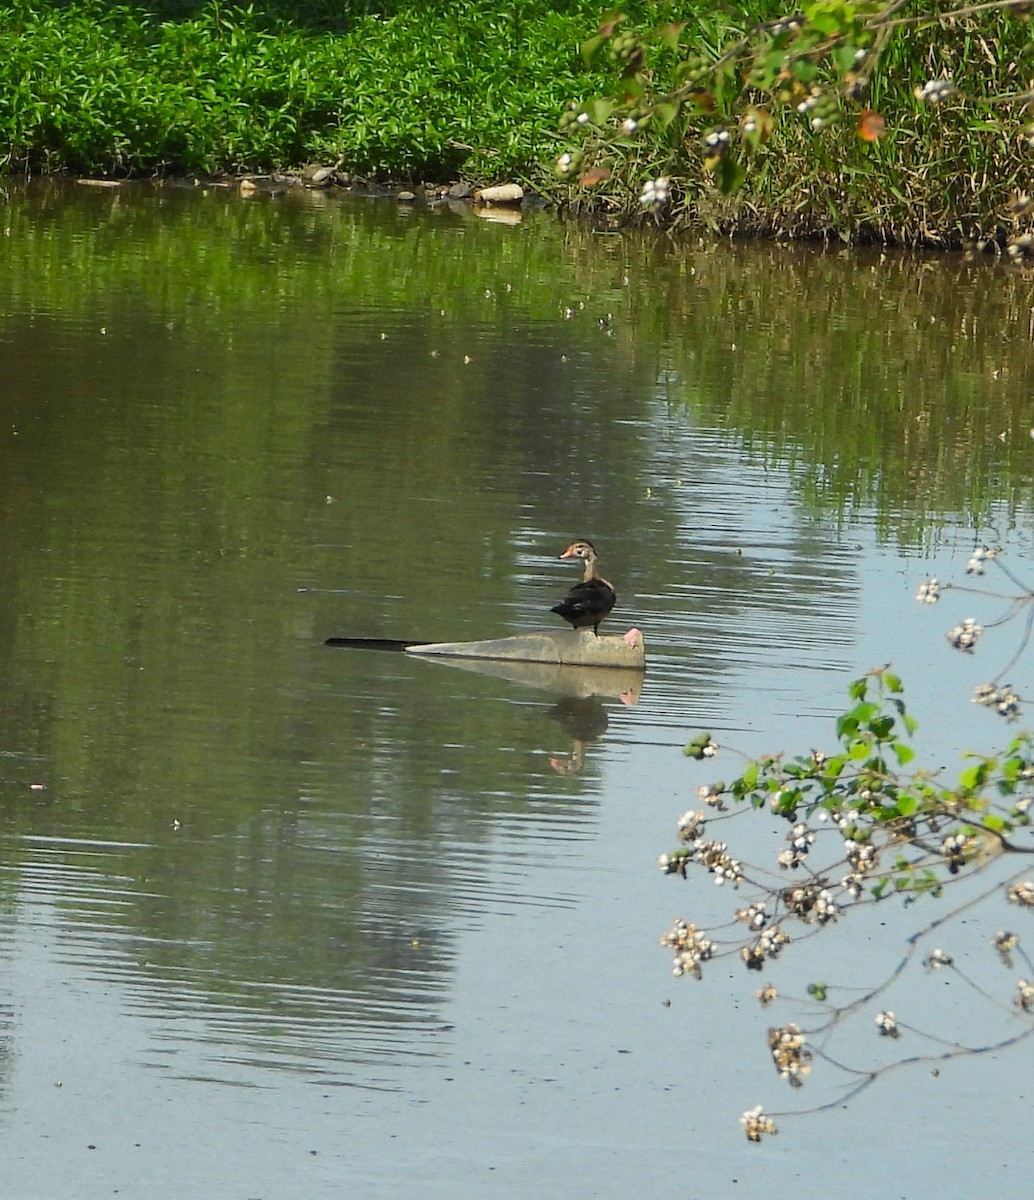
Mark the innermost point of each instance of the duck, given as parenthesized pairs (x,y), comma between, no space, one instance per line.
(589,601)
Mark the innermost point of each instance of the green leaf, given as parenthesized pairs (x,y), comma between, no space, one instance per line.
(832,18)
(973,777)
(590,48)
(903,753)
(845,57)
(824,22)
(846,724)
(669,34)
(666,112)
(731,175)
(631,90)
(882,726)
(599,110)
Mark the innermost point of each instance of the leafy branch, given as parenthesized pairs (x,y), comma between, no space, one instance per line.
(701,104)
(866,824)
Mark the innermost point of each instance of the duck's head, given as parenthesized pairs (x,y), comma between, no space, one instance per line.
(582,550)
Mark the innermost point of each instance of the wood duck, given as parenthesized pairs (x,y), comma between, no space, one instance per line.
(589,601)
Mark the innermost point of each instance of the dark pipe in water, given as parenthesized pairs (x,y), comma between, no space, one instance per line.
(371,643)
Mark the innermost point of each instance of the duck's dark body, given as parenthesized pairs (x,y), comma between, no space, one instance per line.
(589,601)
(587,604)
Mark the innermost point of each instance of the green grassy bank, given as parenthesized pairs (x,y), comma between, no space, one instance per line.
(901,122)
(406,89)
(422,90)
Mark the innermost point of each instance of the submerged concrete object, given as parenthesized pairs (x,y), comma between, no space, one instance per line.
(577,683)
(563,647)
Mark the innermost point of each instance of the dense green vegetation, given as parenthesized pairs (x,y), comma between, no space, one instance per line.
(409,89)
(825,124)
(894,122)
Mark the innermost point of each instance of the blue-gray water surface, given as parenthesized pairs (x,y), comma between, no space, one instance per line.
(288,920)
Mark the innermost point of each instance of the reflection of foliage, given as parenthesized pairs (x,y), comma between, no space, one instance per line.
(864,417)
(894,120)
(864,825)
(889,382)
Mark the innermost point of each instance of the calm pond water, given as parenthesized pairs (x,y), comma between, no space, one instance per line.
(284,920)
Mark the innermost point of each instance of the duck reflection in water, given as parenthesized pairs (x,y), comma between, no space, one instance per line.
(584,720)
